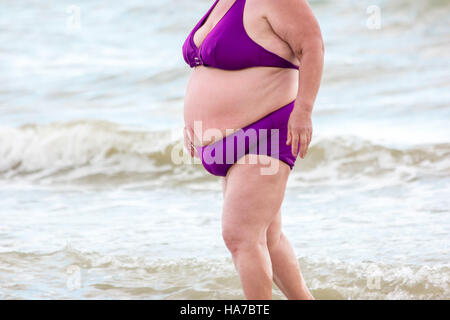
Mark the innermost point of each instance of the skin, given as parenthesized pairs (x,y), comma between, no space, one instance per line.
(251,229)
(224,100)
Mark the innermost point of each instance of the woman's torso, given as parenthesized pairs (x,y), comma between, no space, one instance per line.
(231,99)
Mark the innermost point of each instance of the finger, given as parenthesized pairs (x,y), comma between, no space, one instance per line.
(294,147)
(288,141)
(188,142)
(189,134)
(303,140)
(196,153)
(308,142)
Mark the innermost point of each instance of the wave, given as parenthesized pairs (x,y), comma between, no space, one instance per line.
(100,152)
(122,277)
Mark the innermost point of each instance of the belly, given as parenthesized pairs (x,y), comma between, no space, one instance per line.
(218,102)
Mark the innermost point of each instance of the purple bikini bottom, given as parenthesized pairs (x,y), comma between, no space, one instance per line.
(267,136)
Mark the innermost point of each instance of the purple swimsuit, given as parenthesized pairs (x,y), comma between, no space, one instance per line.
(228,46)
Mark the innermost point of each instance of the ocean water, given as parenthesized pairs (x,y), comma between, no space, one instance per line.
(93,205)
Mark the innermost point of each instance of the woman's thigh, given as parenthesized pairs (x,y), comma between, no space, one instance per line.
(251,199)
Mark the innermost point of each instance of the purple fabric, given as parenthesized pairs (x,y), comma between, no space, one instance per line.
(266,136)
(228,46)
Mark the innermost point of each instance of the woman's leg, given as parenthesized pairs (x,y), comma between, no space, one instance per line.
(286,271)
(251,202)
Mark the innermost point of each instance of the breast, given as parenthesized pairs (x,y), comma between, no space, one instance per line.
(228,46)
(189,52)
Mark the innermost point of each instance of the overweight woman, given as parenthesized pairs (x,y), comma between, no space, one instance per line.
(257,66)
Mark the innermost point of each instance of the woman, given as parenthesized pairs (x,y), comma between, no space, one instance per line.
(246,57)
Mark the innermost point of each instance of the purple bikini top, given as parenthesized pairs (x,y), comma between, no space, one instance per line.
(228,46)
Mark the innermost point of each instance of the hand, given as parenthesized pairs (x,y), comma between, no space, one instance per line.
(188,144)
(299,130)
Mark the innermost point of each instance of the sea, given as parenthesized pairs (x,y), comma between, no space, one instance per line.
(93,204)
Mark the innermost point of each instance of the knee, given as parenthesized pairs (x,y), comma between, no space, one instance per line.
(237,240)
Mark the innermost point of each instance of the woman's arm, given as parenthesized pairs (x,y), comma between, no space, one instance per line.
(294,22)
